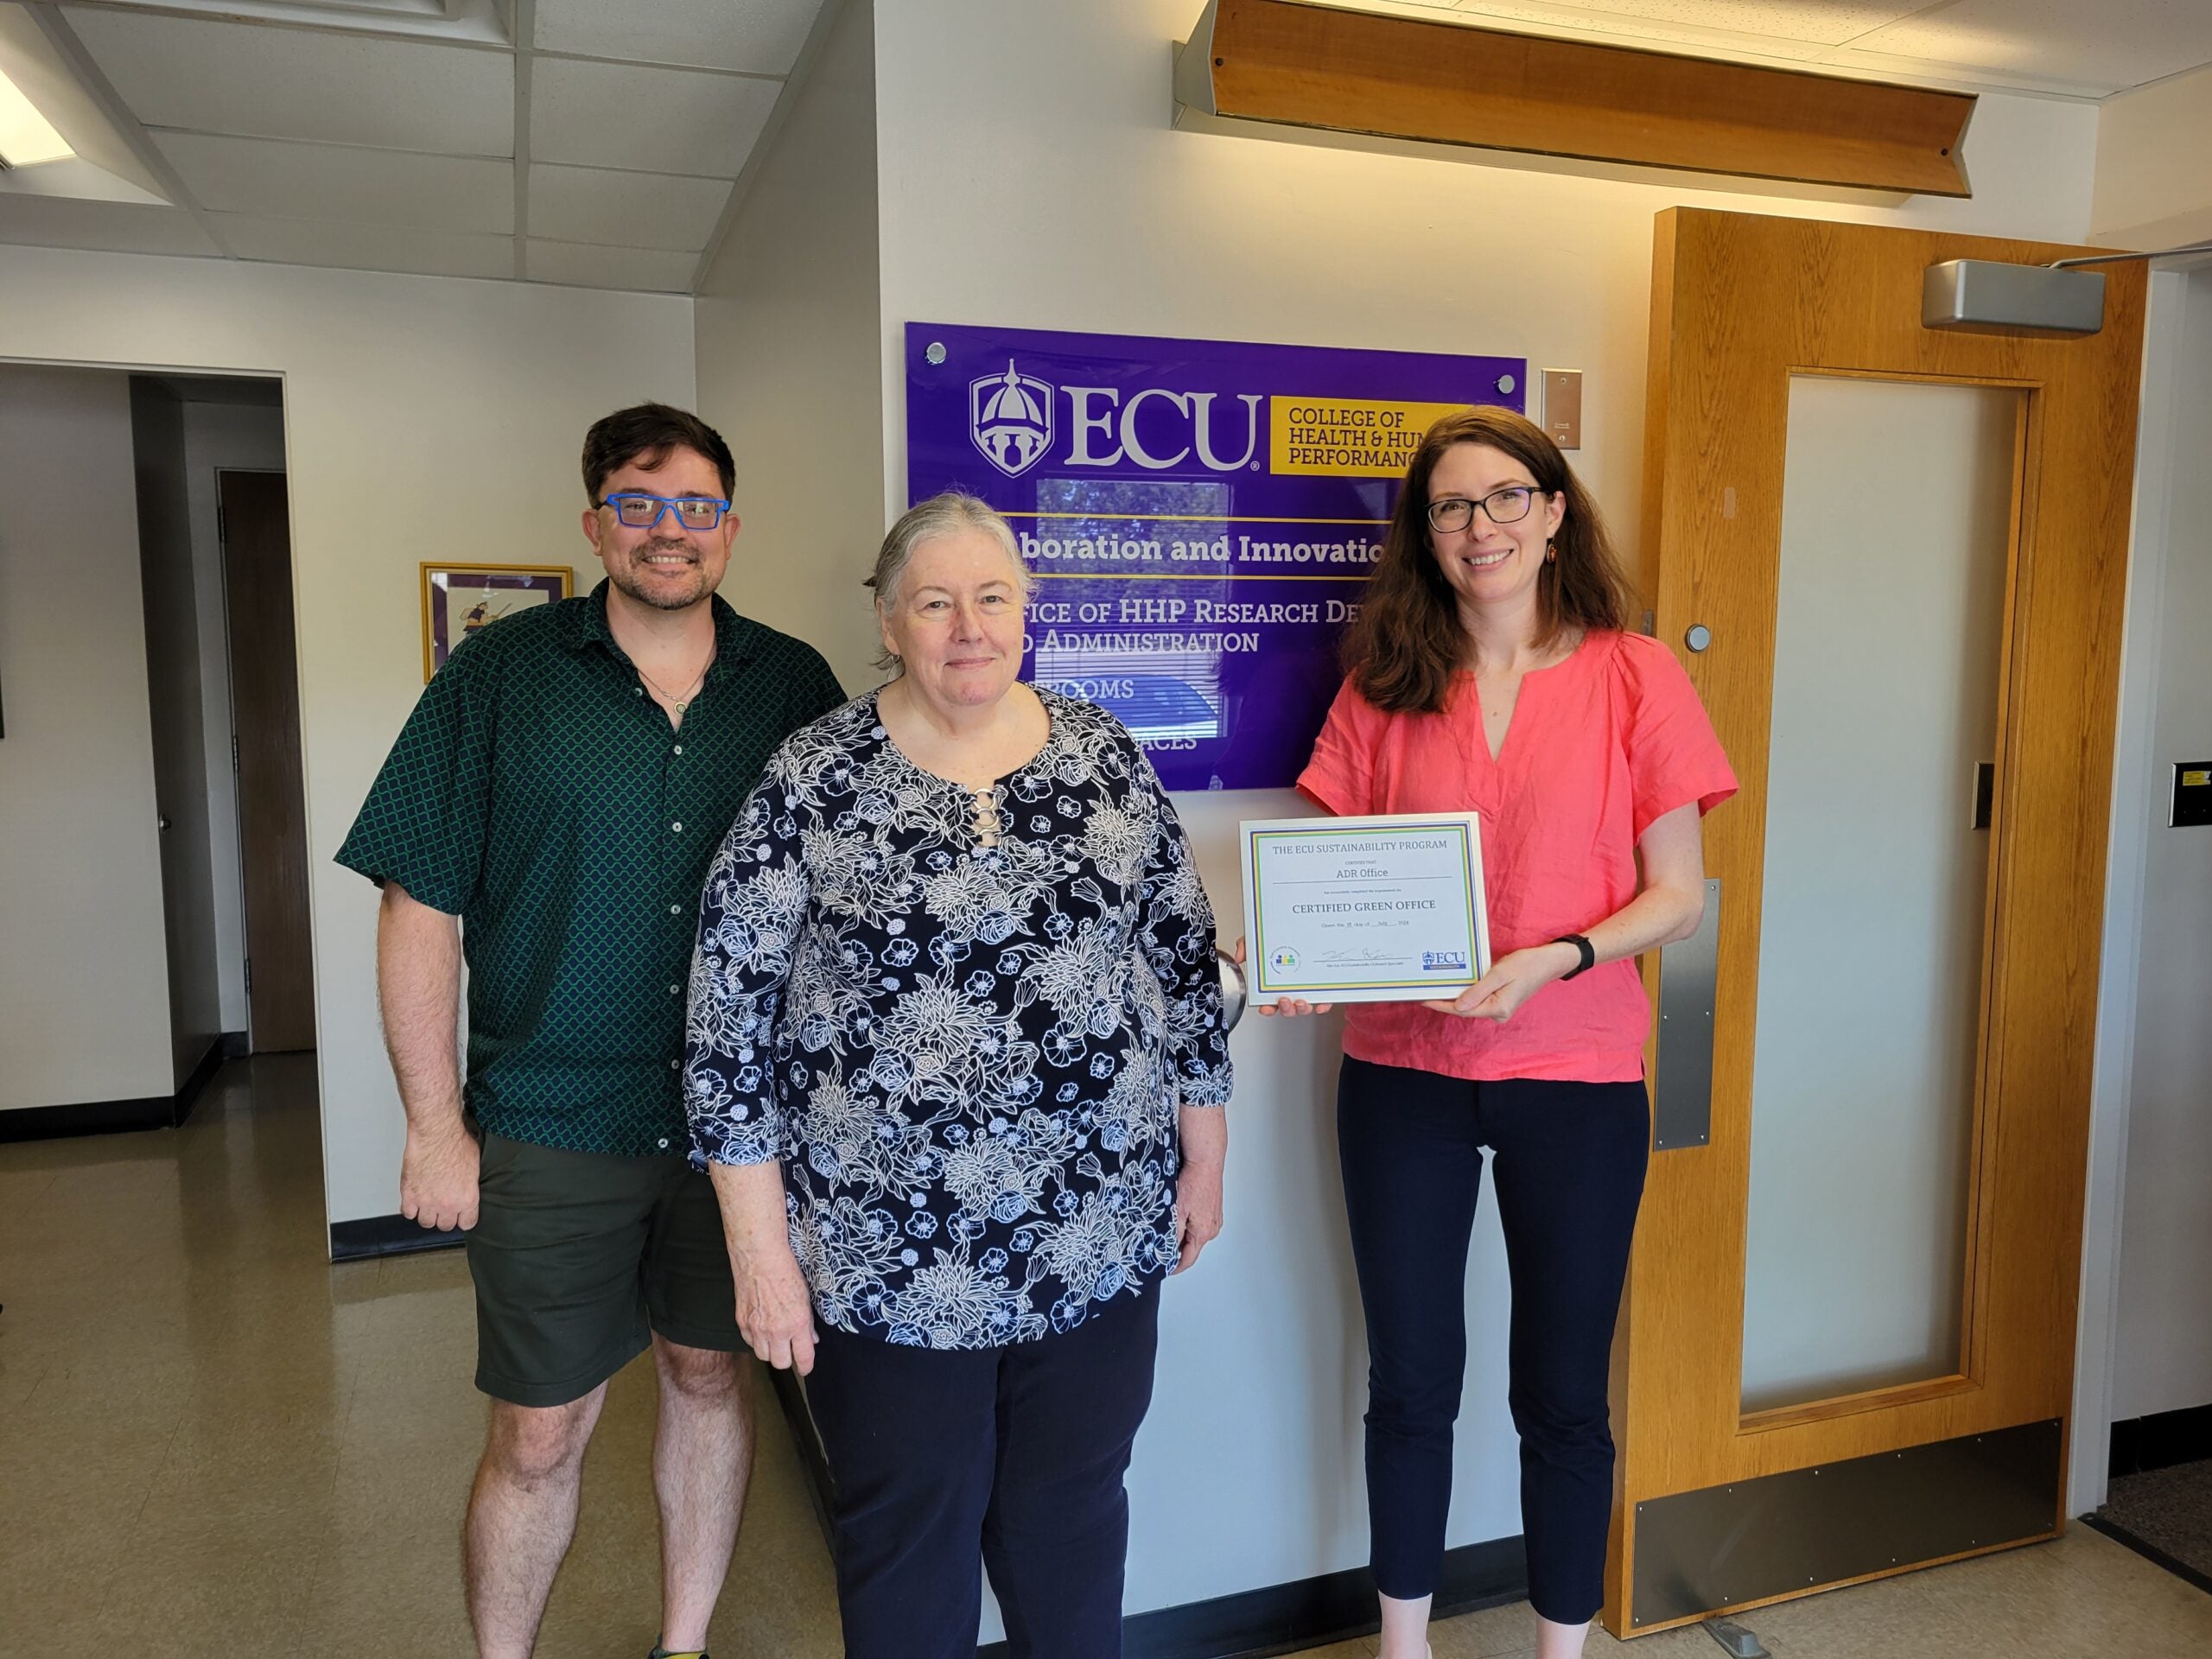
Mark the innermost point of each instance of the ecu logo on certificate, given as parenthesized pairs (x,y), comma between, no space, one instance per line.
(1381,909)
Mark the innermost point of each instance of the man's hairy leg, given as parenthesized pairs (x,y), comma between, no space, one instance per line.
(522,1513)
(702,1459)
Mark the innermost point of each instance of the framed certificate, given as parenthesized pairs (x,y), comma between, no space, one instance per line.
(1383,909)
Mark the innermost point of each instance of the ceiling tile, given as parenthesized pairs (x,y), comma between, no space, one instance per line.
(430,20)
(303,83)
(591,267)
(366,247)
(2115,43)
(763,36)
(1617,28)
(108,226)
(331,181)
(624,210)
(1820,23)
(1889,65)
(654,120)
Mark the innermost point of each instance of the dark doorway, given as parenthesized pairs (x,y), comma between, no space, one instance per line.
(272,807)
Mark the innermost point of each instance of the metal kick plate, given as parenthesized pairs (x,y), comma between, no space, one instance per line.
(1698,1552)
(1681,1089)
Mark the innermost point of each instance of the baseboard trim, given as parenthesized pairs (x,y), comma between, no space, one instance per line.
(118,1116)
(1313,1612)
(2150,1551)
(374,1235)
(1276,1619)
(237,1045)
(2161,1440)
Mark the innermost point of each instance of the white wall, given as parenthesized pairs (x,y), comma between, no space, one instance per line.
(2163,1347)
(84,964)
(1028,177)
(429,418)
(790,358)
(219,436)
(2153,189)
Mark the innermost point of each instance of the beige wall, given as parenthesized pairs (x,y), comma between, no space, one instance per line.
(428,418)
(791,364)
(84,965)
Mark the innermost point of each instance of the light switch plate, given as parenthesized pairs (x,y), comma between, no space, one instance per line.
(1562,407)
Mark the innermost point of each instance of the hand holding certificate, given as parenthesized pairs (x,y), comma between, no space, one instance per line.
(1383,909)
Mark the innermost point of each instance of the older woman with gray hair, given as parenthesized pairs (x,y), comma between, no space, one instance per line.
(955,1062)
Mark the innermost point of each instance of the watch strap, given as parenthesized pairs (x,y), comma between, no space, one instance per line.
(1587,951)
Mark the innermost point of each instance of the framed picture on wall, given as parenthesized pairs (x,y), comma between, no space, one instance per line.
(459,600)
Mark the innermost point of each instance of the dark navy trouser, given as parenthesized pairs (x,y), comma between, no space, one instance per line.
(1016,1453)
(1568,1161)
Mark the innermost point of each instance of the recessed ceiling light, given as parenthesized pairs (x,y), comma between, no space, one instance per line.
(25,137)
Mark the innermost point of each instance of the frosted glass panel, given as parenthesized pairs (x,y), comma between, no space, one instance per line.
(1895,522)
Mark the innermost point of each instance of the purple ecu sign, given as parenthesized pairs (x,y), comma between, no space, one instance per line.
(1200,515)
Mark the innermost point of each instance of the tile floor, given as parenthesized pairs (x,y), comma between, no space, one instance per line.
(212,1441)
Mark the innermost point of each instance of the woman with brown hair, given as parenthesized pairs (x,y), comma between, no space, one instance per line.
(1493,670)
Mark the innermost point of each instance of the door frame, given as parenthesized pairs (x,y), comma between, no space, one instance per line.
(295,755)
(2133,821)
(231,715)
(1729,331)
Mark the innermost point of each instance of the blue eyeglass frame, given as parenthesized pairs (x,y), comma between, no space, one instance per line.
(667,506)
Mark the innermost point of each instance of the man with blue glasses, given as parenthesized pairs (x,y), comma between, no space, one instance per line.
(548,814)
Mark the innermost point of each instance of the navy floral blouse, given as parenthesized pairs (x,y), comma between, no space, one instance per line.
(969,1056)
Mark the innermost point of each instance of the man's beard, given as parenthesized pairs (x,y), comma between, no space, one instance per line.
(625,578)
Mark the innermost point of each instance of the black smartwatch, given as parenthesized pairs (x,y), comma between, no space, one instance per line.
(1584,949)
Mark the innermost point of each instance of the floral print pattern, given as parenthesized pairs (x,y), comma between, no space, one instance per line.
(969,1058)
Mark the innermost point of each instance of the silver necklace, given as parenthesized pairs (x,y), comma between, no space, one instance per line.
(690,691)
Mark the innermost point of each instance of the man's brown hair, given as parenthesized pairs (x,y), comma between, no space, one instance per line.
(649,433)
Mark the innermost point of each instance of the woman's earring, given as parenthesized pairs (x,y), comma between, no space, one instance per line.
(1551,552)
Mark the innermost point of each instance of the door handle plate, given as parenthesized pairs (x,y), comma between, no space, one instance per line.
(1682,1086)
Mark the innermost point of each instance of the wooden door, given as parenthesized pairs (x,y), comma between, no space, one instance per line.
(1725,1500)
(272,805)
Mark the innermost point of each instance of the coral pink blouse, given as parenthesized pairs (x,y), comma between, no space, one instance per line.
(1599,746)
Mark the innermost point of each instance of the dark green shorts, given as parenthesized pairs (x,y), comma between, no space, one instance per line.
(579,1257)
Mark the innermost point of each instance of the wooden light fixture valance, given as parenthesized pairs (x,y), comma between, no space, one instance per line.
(1397,77)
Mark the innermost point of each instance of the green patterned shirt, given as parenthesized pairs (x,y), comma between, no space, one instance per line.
(539,794)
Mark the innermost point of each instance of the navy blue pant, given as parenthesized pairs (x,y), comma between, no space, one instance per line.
(1015,1454)
(1568,1161)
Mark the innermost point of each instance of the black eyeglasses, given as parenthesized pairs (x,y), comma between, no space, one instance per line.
(1507,506)
(641,511)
